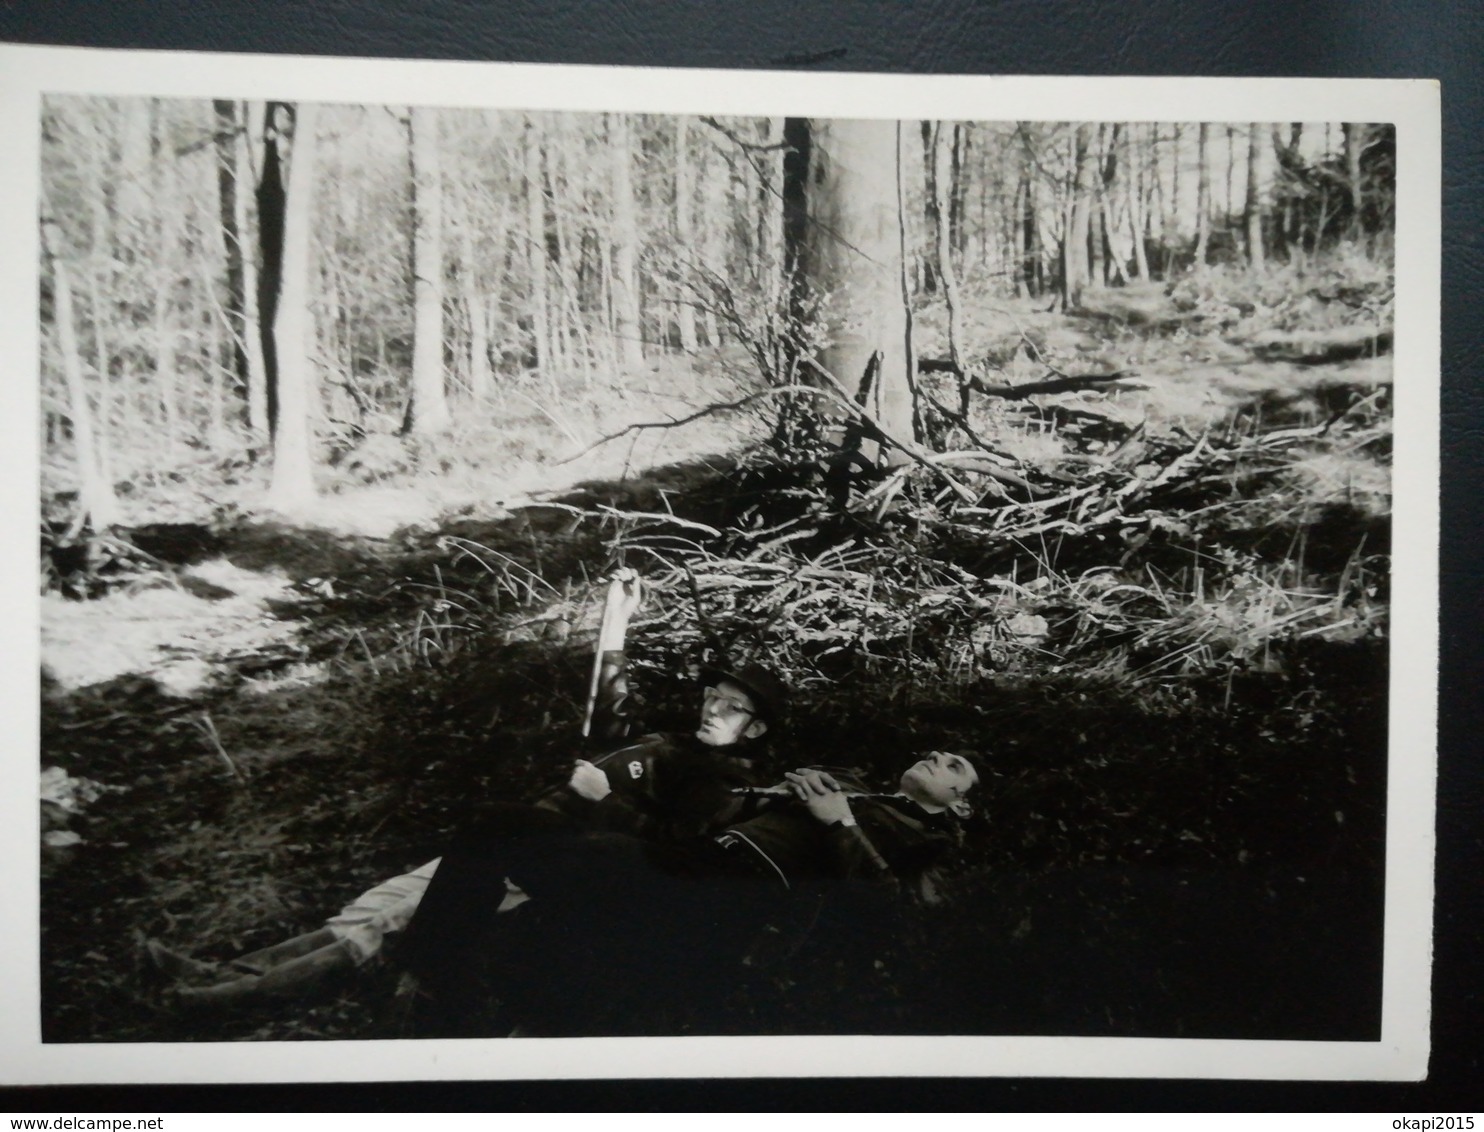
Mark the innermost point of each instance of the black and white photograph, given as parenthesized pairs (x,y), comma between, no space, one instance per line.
(522,562)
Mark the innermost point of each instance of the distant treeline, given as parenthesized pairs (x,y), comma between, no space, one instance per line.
(221,273)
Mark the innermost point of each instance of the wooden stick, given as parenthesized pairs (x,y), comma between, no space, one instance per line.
(610,606)
(209,729)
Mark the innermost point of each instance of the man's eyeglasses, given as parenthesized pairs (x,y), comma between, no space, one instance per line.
(714,696)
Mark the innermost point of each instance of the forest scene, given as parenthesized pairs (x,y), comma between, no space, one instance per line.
(1064,444)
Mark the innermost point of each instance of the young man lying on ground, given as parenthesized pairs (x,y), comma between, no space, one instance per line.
(613,921)
(662,787)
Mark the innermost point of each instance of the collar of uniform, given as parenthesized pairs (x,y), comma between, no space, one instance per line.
(737,754)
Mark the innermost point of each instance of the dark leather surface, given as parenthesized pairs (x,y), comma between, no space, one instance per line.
(1357,38)
(1172,37)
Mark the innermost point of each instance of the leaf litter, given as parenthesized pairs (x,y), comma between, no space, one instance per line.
(1174,664)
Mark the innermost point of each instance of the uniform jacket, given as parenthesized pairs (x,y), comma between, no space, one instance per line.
(665,786)
(894,839)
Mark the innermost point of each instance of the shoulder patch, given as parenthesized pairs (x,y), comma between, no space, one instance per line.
(636,769)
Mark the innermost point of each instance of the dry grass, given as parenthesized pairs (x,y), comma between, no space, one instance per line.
(1171,653)
(176,630)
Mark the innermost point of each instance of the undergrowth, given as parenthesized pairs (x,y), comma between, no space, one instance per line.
(1161,623)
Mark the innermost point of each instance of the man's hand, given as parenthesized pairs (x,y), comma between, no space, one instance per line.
(589,781)
(626,591)
(819,791)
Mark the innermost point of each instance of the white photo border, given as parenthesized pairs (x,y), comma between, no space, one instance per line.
(27,73)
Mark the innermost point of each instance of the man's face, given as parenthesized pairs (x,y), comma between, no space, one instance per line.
(728,715)
(940,781)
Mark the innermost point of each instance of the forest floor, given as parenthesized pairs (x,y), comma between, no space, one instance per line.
(1182,698)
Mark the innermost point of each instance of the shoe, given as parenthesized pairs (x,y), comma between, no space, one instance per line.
(234,993)
(174,965)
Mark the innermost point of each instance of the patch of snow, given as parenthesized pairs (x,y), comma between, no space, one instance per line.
(378,511)
(1028,626)
(183,679)
(72,794)
(255,584)
(295,676)
(165,633)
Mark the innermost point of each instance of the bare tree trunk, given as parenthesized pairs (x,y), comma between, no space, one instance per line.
(479,307)
(1175,160)
(252,330)
(1137,166)
(1036,247)
(232,148)
(627,321)
(893,399)
(715,222)
(1109,185)
(939,183)
(1288,236)
(1321,221)
(1159,199)
(1175,224)
(167,209)
(1231,168)
(685,311)
(1202,199)
(740,238)
(104,434)
(98,507)
(1001,263)
(536,246)
(1076,267)
(579,342)
(770,210)
(133,239)
(958,190)
(166,376)
(292,485)
(427,407)
(928,277)
(564,332)
(99,283)
(136,144)
(1355,135)
(271,203)
(1252,220)
(227,127)
(844,224)
(1024,223)
(610,352)
(570,341)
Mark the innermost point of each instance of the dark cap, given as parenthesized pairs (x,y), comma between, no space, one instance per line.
(769,693)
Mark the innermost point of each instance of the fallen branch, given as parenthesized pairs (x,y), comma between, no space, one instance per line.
(1065,383)
(209,730)
(1315,348)
(1077,416)
(725,407)
(1059,382)
(660,516)
(962,422)
(975,462)
(910,450)
(741,142)
(939,365)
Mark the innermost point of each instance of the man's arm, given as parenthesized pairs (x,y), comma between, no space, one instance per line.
(608,718)
(853,852)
